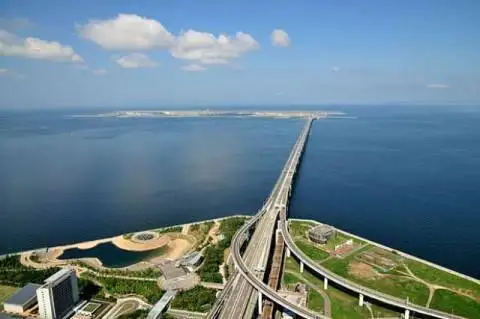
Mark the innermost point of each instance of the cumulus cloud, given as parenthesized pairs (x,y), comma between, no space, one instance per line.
(280,38)
(438,86)
(128,32)
(193,68)
(34,48)
(205,48)
(99,72)
(136,60)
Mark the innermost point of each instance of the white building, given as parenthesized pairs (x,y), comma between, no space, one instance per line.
(57,296)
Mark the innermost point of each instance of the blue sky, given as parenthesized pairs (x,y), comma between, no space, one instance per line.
(166,53)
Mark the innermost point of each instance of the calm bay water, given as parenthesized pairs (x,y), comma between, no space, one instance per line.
(111,256)
(407,177)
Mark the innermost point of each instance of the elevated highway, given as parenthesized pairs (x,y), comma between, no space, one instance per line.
(247,288)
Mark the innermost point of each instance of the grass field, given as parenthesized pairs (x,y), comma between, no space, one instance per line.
(384,271)
(315,301)
(440,277)
(450,302)
(344,306)
(5,293)
(314,253)
(299,228)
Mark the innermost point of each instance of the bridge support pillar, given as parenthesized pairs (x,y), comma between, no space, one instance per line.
(288,252)
(301,266)
(407,314)
(260,303)
(360,300)
(325,283)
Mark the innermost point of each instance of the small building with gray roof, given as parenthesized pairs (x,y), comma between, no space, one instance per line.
(22,300)
(321,233)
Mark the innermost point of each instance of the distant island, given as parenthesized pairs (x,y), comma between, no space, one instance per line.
(215,113)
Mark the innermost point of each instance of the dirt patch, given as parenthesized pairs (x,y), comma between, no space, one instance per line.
(131,245)
(363,271)
(175,249)
(213,233)
(87,244)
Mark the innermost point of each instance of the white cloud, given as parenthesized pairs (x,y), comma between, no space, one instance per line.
(34,48)
(205,48)
(127,32)
(438,86)
(335,69)
(193,68)
(136,60)
(280,38)
(99,72)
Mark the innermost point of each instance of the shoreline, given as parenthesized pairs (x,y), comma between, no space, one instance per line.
(88,244)
(401,253)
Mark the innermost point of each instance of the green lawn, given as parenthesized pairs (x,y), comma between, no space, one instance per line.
(396,283)
(311,251)
(343,305)
(398,286)
(315,300)
(291,264)
(450,302)
(340,266)
(289,279)
(443,278)
(5,293)
(298,228)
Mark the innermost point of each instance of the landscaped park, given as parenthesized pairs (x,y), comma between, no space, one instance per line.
(377,267)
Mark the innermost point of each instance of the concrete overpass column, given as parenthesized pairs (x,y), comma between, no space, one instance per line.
(301,266)
(407,314)
(260,303)
(360,300)
(288,252)
(325,283)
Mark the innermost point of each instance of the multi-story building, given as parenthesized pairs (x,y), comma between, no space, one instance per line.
(57,296)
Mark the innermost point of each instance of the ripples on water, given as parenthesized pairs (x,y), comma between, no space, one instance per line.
(404,176)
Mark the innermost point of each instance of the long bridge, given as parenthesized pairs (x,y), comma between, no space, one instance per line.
(247,291)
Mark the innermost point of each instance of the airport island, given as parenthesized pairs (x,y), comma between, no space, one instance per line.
(265,265)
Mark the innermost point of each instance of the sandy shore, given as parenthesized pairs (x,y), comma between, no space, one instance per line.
(127,244)
(176,249)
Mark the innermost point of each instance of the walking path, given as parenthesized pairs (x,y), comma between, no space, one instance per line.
(327,305)
(431,287)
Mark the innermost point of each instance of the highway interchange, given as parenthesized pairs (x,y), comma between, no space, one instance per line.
(246,286)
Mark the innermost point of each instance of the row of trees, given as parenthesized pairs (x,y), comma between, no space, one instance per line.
(13,273)
(145,273)
(214,254)
(117,286)
(198,299)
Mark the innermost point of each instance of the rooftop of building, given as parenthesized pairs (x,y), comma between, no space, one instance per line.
(192,258)
(321,229)
(171,271)
(24,295)
(58,275)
